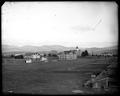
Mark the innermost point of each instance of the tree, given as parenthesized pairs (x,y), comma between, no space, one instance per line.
(49,55)
(12,56)
(44,55)
(54,55)
(84,53)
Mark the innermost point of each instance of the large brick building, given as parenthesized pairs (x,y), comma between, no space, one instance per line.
(68,55)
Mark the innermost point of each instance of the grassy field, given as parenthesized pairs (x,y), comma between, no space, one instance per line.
(52,77)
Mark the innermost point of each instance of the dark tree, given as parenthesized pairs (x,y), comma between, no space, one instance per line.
(45,55)
(49,55)
(84,53)
(12,56)
(54,55)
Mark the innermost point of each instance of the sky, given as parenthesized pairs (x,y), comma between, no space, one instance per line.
(83,24)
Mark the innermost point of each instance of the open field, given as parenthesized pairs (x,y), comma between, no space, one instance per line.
(58,77)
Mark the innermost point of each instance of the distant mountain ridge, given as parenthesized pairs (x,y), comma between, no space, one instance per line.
(94,50)
(28,48)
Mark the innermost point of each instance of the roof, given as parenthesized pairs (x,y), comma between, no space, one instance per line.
(70,51)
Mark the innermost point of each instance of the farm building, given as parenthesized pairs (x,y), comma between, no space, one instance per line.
(28,61)
(107,54)
(18,56)
(32,55)
(28,55)
(44,59)
(35,56)
(68,55)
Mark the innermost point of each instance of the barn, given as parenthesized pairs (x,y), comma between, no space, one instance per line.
(18,56)
(32,56)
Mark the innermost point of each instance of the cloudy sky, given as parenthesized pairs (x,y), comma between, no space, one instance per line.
(83,24)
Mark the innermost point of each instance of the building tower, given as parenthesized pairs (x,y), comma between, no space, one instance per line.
(78,51)
(77,48)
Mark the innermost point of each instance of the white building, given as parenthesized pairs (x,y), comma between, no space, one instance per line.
(28,61)
(44,59)
(35,56)
(107,54)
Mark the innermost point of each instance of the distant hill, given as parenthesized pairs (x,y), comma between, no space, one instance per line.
(112,49)
(45,48)
(9,48)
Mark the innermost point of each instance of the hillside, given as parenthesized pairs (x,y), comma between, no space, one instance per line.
(9,48)
(46,48)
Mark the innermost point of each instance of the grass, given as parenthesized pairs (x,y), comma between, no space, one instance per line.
(61,77)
